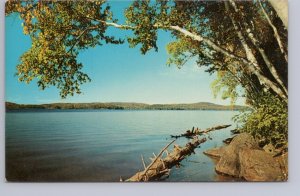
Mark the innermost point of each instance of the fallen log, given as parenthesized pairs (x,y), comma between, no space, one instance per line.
(188,133)
(197,131)
(160,166)
(215,128)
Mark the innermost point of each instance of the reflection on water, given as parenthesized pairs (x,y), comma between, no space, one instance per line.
(99,145)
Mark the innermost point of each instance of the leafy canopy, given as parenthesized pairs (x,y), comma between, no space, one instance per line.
(59,30)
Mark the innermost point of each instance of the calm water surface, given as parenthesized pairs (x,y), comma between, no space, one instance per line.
(102,145)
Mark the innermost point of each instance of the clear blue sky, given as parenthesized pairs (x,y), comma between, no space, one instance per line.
(118,73)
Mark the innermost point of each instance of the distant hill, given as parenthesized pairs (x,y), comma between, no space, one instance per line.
(125,106)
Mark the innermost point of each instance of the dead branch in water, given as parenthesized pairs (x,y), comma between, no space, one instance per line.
(160,167)
(197,131)
(156,157)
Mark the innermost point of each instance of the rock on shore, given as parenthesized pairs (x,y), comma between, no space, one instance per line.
(244,159)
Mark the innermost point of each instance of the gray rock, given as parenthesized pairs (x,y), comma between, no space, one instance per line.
(215,152)
(244,159)
(270,149)
(258,165)
(229,161)
(283,161)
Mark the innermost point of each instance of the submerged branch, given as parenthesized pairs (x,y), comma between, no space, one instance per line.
(160,167)
(197,131)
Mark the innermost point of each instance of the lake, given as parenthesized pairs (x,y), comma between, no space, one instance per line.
(102,145)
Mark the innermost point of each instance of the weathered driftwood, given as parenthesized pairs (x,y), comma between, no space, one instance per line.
(160,166)
(197,131)
(188,133)
(215,128)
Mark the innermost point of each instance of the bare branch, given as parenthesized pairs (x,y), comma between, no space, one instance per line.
(143,162)
(149,166)
(81,34)
(187,33)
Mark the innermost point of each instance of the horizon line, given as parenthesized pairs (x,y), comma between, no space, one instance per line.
(123,102)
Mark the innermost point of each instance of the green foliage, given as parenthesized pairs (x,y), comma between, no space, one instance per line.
(268,121)
(178,53)
(146,17)
(59,30)
(226,85)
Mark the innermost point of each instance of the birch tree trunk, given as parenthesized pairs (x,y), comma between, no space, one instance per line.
(250,63)
(250,56)
(267,61)
(255,42)
(249,53)
(276,34)
(250,66)
(281,8)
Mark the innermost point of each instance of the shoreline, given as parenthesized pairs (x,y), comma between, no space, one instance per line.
(126,106)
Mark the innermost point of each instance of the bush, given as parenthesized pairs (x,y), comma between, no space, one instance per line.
(268,121)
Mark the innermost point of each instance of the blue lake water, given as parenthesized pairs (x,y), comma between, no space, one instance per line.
(102,145)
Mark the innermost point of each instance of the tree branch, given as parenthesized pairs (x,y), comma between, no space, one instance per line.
(161,152)
(112,24)
(81,34)
(251,65)
(187,33)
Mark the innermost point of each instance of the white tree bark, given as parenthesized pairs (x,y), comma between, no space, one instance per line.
(187,33)
(256,44)
(267,61)
(281,8)
(250,66)
(248,51)
(276,34)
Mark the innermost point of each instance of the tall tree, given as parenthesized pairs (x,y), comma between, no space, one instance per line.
(242,43)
